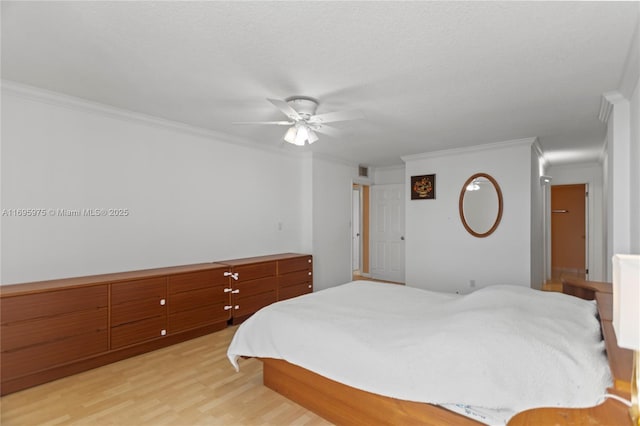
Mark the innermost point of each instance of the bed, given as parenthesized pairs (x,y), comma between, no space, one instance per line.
(340,353)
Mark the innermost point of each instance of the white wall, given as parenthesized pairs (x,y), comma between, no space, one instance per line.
(306,202)
(621,174)
(440,254)
(332,190)
(634,159)
(619,182)
(538,218)
(388,175)
(591,174)
(630,89)
(191,198)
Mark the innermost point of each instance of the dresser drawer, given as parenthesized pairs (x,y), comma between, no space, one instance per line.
(128,291)
(247,305)
(33,332)
(41,305)
(31,359)
(134,311)
(295,278)
(294,291)
(137,332)
(296,264)
(254,287)
(185,320)
(196,280)
(255,271)
(196,298)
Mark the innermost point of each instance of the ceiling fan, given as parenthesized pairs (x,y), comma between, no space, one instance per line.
(304,122)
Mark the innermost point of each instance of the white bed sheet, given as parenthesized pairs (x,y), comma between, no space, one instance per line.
(498,351)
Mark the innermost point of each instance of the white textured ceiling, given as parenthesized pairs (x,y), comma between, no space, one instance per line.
(427,75)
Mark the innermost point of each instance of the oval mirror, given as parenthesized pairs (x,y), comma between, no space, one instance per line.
(480,205)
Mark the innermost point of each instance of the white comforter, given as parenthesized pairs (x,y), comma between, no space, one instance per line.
(505,348)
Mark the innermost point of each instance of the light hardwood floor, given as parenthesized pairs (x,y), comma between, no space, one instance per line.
(358,277)
(191,383)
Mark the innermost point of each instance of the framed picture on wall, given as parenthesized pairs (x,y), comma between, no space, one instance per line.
(423,187)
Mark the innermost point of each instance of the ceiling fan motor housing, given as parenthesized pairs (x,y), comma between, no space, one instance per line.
(304,105)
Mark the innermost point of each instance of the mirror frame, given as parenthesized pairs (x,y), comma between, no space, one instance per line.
(461,205)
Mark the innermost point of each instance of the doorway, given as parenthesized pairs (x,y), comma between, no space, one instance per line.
(360,231)
(387,232)
(355,230)
(569,236)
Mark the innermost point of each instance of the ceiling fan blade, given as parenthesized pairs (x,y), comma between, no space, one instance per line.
(327,130)
(330,117)
(286,109)
(277,123)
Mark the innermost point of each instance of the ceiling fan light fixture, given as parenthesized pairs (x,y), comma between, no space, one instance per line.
(312,136)
(290,136)
(305,106)
(301,112)
(300,134)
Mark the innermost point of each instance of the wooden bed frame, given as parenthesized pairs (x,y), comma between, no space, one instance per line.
(344,405)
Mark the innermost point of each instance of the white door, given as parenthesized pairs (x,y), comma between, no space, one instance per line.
(355,230)
(387,232)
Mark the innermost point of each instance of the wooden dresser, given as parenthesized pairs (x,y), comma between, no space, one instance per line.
(51,329)
(295,277)
(259,281)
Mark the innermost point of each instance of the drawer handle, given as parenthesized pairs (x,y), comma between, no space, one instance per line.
(233,275)
(227,290)
(309,273)
(162,303)
(309,286)
(163,332)
(227,307)
(236,291)
(236,307)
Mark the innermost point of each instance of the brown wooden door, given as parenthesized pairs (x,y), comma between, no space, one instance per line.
(568,230)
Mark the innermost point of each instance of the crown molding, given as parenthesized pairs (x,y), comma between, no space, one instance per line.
(607,101)
(604,153)
(605,109)
(80,104)
(538,148)
(470,149)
